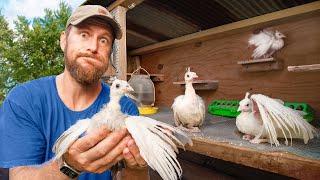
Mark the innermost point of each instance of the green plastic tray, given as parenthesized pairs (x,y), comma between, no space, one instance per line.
(309,116)
(228,108)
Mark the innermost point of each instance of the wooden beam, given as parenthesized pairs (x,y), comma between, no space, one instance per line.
(174,13)
(125,3)
(119,54)
(141,36)
(304,68)
(277,162)
(146,32)
(270,19)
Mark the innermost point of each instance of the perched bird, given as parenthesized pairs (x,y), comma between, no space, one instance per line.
(267,42)
(263,119)
(189,109)
(154,138)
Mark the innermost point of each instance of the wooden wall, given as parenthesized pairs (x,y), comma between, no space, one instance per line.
(216,59)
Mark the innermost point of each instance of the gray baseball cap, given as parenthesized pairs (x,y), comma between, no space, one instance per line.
(86,11)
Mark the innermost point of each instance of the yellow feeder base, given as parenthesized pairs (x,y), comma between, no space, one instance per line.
(147,110)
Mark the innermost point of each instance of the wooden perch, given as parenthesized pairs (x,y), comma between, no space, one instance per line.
(201,84)
(304,68)
(268,64)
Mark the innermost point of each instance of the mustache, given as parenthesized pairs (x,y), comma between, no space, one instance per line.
(81,54)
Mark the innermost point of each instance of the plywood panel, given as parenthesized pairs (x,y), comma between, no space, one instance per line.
(217,59)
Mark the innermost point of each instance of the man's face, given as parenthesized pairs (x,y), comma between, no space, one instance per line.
(87,50)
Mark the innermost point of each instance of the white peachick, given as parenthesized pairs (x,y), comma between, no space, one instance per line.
(267,42)
(154,138)
(263,119)
(189,109)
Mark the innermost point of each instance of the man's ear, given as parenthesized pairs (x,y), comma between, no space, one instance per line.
(63,40)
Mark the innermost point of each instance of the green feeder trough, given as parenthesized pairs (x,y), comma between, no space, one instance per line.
(228,108)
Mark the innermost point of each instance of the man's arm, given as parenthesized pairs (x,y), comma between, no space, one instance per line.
(49,171)
(95,152)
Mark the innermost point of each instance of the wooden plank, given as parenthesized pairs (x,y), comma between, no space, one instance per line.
(142,36)
(220,139)
(119,53)
(146,32)
(125,3)
(201,84)
(277,162)
(260,66)
(256,61)
(306,10)
(304,68)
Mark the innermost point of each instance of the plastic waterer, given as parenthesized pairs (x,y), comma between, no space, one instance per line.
(144,91)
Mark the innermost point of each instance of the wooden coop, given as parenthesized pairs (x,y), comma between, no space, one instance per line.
(211,36)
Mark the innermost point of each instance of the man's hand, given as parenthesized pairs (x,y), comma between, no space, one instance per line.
(97,151)
(132,156)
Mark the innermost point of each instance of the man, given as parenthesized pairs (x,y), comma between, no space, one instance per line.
(36,113)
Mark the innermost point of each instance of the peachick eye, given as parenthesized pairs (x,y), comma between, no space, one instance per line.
(117,85)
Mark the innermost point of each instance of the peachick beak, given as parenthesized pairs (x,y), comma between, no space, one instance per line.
(239,109)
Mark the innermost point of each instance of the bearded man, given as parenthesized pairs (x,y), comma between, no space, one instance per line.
(36,113)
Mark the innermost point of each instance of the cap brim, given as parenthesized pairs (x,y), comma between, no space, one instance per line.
(115,26)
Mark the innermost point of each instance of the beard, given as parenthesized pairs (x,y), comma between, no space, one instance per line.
(82,75)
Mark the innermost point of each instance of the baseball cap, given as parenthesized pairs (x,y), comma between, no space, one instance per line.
(86,11)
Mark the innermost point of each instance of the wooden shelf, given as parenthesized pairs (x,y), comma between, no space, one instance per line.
(220,139)
(154,77)
(304,68)
(268,64)
(201,84)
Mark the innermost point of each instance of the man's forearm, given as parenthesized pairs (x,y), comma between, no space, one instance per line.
(47,171)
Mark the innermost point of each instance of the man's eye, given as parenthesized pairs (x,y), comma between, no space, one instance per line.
(84,35)
(103,40)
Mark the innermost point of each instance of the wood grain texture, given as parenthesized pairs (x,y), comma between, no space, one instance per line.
(304,68)
(217,59)
(277,162)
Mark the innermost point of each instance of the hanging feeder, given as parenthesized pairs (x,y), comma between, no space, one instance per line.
(144,91)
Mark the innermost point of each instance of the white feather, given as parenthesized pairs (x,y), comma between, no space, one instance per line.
(156,140)
(273,120)
(189,109)
(266,42)
(155,144)
(69,137)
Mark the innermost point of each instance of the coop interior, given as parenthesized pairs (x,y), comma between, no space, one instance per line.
(211,37)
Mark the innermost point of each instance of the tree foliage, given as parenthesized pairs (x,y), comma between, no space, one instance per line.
(32,49)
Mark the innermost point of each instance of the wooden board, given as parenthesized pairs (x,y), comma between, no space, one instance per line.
(200,84)
(217,59)
(220,139)
(304,68)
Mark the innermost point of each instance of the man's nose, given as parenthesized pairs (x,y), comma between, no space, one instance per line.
(92,45)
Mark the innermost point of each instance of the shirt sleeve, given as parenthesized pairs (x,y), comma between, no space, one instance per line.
(22,142)
(128,106)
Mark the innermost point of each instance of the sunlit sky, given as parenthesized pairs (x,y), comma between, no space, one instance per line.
(30,8)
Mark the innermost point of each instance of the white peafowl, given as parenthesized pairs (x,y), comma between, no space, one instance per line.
(189,109)
(267,42)
(263,119)
(154,138)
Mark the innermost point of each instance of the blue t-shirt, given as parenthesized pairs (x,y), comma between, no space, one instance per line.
(33,116)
